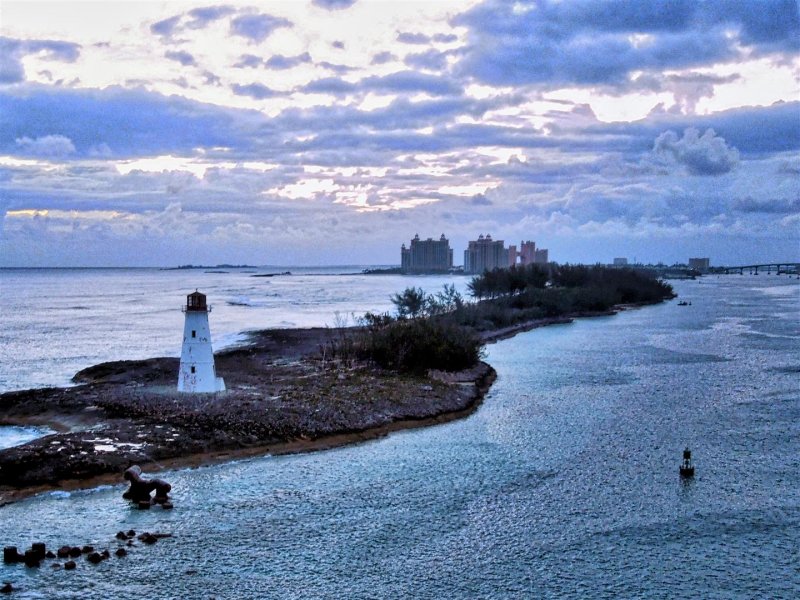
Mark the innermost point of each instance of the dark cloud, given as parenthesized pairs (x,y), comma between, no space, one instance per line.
(166,27)
(751,130)
(445,38)
(11,68)
(399,82)
(413,38)
(783,206)
(53,49)
(432,60)
(249,61)
(334,4)
(12,51)
(706,154)
(604,42)
(133,122)
(329,85)
(257,27)
(279,62)
(211,79)
(411,81)
(340,69)
(200,17)
(383,57)
(181,56)
(254,90)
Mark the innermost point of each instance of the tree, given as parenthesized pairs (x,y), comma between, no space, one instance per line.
(410,303)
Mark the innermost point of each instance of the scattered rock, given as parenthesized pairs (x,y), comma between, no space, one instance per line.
(74,552)
(121,535)
(63,552)
(131,533)
(121,552)
(50,554)
(69,565)
(39,550)
(55,565)
(7,588)
(11,555)
(31,558)
(148,538)
(87,549)
(105,554)
(95,558)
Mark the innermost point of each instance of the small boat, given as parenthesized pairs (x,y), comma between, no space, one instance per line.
(683,303)
(687,468)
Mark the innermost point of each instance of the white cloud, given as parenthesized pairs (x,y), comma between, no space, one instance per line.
(48,145)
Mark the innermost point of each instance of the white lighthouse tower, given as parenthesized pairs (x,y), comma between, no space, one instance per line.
(197,373)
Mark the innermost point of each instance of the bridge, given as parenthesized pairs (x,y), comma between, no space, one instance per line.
(777,267)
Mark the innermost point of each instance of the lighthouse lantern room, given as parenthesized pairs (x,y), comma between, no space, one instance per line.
(197,372)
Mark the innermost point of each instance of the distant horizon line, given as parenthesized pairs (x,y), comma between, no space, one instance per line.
(188,267)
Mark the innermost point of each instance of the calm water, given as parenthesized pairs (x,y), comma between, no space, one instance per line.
(564,484)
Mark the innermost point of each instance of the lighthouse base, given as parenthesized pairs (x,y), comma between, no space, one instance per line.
(191,383)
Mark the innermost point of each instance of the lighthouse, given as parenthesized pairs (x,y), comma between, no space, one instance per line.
(197,373)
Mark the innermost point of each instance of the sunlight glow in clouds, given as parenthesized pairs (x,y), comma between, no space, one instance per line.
(595,128)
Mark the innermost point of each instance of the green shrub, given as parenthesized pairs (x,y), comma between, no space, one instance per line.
(419,344)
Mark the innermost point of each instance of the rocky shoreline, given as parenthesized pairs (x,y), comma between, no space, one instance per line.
(283,397)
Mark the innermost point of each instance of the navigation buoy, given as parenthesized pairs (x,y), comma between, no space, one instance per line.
(687,468)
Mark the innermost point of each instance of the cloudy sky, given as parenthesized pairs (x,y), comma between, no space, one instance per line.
(331,131)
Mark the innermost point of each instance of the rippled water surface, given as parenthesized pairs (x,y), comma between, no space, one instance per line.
(563,484)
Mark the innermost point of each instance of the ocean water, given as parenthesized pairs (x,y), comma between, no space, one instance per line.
(56,322)
(563,484)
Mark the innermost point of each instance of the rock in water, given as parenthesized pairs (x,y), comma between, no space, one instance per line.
(11,555)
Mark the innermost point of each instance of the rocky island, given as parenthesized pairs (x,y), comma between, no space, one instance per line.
(283,396)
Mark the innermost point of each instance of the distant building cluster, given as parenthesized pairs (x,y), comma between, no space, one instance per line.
(621,262)
(483,254)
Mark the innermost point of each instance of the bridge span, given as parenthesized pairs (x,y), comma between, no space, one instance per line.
(776,267)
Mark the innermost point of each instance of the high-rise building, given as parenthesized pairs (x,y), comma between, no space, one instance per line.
(620,262)
(512,256)
(485,254)
(527,252)
(426,256)
(529,255)
(700,264)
